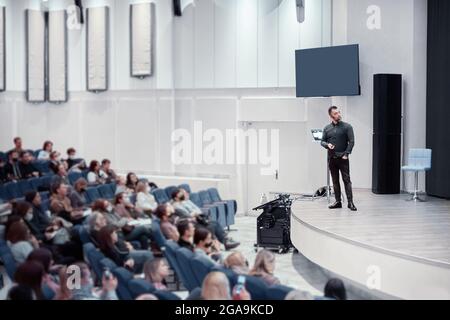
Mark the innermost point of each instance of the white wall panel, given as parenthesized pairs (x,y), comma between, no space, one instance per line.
(311,29)
(6,123)
(57,57)
(31,123)
(63,133)
(141,25)
(35,56)
(184,61)
(97,48)
(2,49)
(164,42)
(288,36)
(225,34)
(247,44)
(204,44)
(268,43)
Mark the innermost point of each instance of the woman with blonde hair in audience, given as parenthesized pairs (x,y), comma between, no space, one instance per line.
(237,262)
(47,149)
(264,267)
(145,200)
(155,271)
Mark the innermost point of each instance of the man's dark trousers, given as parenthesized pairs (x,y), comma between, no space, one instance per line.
(341,165)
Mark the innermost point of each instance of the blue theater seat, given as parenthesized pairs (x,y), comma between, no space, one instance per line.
(160,196)
(7,258)
(201,267)
(74,176)
(231,205)
(211,211)
(106,192)
(221,209)
(123,278)
(12,190)
(94,257)
(157,234)
(170,254)
(169,190)
(138,287)
(92,195)
(184,256)
(186,187)
(25,186)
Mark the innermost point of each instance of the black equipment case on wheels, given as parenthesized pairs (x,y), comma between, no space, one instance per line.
(274,225)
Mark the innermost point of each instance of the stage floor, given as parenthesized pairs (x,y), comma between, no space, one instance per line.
(387,222)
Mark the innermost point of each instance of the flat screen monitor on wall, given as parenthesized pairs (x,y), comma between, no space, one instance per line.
(328,72)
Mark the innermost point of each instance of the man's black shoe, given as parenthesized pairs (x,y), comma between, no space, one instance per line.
(336,205)
(230,244)
(352,207)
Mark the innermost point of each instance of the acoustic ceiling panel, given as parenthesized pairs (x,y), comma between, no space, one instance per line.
(97,31)
(141,37)
(2,50)
(35,55)
(57,57)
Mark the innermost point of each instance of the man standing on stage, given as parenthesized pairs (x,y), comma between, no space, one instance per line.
(339,140)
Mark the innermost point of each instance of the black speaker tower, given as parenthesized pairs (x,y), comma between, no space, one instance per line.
(387,133)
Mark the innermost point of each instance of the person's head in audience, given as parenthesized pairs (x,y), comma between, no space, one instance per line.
(298,295)
(64,293)
(48,146)
(97,221)
(132,180)
(156,270)
(26,157)
(31,274)
(186,230)
(264,263)
(80,185)
(203,239)
(59,189)
(61,170)
(119,198)
(335,289)
(34,198)
(106,165)
(43,256)
(102,205)
(237,262)
(216,287)
(107,238)
(55,156)
(13,156)
(94,166)
(143,187)
(164,211)
(71,153)
(21,292)
(18,144)
(18,232)
(23,210)
(178,195)
(146,296)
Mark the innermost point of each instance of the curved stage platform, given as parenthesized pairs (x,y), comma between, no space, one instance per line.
(392,247)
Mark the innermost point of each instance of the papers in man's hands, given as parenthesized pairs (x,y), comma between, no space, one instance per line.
(140,222)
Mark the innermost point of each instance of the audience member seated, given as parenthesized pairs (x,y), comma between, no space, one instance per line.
(61,175)
(185,208)
(237,262)
(38,221)
(217,287)
(60,204)
(122,252)
(55,161)
(264,267)
(96,221)
(3,172)
(20,241)
(125,208)
(205,246)
(31,274)
(78,195)
(132,181)
(26,167)
(164,212)
(145,201)
(12,168)
(130,233)
(186,230)
(21,292)
(106,172)
(17,146)
(335,289)
(44,154)
(86,290)
(121,186)
(155,271)
(93,176)
(72,158)
(45,257)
